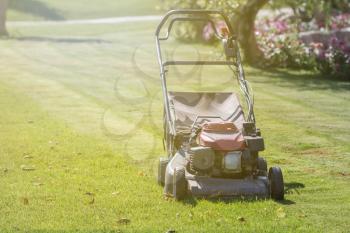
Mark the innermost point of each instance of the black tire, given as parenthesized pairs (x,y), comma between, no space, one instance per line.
(262,166)
(179,184)
(276,183)
(162,164)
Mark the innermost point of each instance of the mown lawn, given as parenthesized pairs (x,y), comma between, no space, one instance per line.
(81,119)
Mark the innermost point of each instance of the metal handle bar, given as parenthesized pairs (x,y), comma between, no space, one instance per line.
(186,19)
(205,13)
(184,63)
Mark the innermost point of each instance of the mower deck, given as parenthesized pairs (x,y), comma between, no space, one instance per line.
(228,188)
(209,187)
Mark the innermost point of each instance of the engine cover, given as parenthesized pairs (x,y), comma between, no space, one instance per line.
(202,158)
(222,136)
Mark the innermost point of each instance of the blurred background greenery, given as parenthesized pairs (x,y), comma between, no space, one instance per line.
(307,34)
(303,34)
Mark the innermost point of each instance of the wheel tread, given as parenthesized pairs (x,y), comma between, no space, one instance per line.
(180,184)
(276,183)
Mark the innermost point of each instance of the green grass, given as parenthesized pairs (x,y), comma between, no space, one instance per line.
(78,108)
(78,9)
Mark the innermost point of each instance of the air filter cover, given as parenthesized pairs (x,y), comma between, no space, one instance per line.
(202,158)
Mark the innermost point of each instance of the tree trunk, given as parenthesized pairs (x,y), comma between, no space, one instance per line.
(244,21)
(3,8)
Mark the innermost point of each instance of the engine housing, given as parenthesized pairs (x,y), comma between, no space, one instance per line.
(202,159)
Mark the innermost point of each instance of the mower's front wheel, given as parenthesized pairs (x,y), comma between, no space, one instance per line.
(276,183)
(179,184)
(162,164)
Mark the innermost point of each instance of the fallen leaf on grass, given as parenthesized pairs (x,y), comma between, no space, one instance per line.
(27,168)
(241,219)
(25,201)
(38,184)
(50,199)
(280,213)
(219,222)
(168,197)
(343,174)
(92,201)
(124,221)
(141,174)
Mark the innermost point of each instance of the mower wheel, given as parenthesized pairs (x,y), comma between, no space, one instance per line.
(179,184)
(162,164)
(276,183)
(262,166)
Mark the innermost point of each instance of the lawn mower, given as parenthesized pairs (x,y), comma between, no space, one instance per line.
(212,145)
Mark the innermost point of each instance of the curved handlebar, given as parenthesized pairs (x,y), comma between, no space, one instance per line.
(206,13)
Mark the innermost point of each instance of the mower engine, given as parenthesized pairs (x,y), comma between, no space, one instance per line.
(202,159)
(206,161)
(219,151)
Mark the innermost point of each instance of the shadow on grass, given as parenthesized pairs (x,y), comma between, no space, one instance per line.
(37,8)
(301,81)
(286,202)
(193,201)
(60,40)
(293,187)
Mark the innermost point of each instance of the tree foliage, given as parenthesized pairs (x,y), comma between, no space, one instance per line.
(321,10)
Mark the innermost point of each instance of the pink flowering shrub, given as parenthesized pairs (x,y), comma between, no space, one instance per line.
(333,58)
(285,51)
(340,21)
(278,39)
(336,22)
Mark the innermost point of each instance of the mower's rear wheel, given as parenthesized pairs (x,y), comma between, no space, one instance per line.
(162,164)
(179,184)
(276,183)
(262,166)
